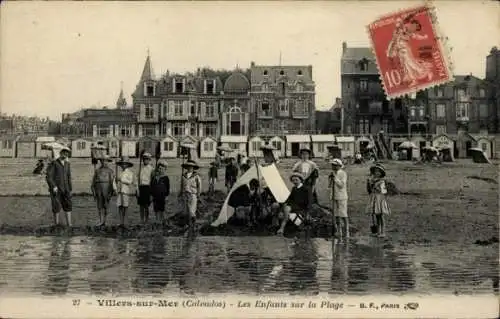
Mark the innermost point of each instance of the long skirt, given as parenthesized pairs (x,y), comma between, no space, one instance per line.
(190,204)
(377,205)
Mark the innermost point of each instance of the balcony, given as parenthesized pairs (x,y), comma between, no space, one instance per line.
(176,117)
(208,118)
(268,114)
(370,93)
(300,115)
(193,117)
(284,113)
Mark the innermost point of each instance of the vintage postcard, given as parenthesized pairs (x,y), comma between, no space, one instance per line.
(270,159)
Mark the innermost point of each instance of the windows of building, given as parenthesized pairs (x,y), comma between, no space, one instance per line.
(114,144)
(440,111)
(265,126)
(300,107)
(149,89)
(193,130)
(192,108)
(209,86)
(148,111)
(364,126)
(168,146)
(103,131)
(265,108)
(462,109)
(265,87)
(363,85)
(233,146)
(439,92)
(276,144)
(282,88)
(363,65)
(283,106)
(321,147)
(236,122)
(461,95)
(148,130)
(440,129)
(179,85)
(265,72)
(177,129)
(385,125)
(299,87)
(282,72)
(483,111)
(210,109)
(421,111)
(7,144)
(178,108)
(484,147)
(210,129)
(256,145)
(299,72)
(208,146)
(412,112)
(482,93)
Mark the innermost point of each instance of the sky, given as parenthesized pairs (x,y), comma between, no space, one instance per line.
(57,57)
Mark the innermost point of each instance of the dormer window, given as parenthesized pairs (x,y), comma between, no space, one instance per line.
(299,72)
(363,64)
(265,72)
(265,87)
(282,72)
(179,85)
(149,89)
(209,86)
(482,93)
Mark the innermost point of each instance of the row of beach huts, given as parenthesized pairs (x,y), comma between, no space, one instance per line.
(24,146)
(29,146)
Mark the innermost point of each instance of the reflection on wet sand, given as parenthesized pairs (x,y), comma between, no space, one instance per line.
(58,273)
(301,268)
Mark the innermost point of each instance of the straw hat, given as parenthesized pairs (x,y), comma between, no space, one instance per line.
(191,163)
(65,149)
(147,155)
(297,174)
(380,167)
(162,163)
(337,162)
(124,161)
(106,158)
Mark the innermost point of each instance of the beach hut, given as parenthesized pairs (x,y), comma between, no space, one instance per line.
(190,140)
(8,145)
(148,144)
(238,143)
(420,143)
(81,147)
(26,146)
(208,147)
(295,142)
(43,153)
(362,144)
(347,145)
(319,143)
(128,146)
(484,143)
(113,145)
(168,147)
(254,145)
(279,145)
(443,142)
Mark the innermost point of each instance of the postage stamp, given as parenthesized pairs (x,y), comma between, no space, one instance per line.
(410,50)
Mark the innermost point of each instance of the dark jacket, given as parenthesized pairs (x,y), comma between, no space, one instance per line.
(59,175)
(160,186)
(231,173)
(213,172)
(299,199)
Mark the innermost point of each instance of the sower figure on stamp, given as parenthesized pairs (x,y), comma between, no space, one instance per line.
(310,172)
(144,187)
(125,184)
(60,187)
(103,187)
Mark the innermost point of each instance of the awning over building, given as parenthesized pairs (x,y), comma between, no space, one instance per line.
(298,138)
(345,139)
(233,139)
(326,138)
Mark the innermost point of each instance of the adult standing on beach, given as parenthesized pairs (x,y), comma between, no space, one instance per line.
(309,171)
(60,187)
(144,191)
(103,187)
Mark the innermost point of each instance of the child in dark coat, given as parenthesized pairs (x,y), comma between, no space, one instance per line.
(160,189)
(231,174)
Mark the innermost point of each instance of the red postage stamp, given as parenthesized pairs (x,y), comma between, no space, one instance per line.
(410,51)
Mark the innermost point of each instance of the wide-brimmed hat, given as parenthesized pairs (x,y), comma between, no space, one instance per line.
(305,149)
(191,163)
(162,163)
(336,162)
(64,149)
(147,155)
(124,161)
(379,167)
(297,174)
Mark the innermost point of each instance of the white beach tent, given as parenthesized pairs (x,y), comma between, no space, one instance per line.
(269,176)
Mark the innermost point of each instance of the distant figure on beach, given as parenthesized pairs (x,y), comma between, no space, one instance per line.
(191,191)
(103,187)
(39,166)
(144,183)
(125,186)
(212,177)
(309,171)
(231,174)
(60,186)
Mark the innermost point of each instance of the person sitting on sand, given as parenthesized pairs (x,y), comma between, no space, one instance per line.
(377,204)
(298,204)
(60,185)
(125,185)
(103,187)
(160,189)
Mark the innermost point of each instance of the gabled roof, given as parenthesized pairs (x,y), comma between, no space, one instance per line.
(147,72)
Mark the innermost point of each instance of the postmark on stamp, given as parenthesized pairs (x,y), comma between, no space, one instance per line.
(410,51)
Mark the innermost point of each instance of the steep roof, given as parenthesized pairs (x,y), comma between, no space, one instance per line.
(237,83)
(147,72)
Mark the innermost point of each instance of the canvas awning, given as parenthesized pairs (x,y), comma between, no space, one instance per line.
(298,138)
(345,139)
(326,138)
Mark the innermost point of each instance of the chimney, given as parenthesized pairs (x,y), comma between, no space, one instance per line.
(252,64)
(344,47)
(310,69)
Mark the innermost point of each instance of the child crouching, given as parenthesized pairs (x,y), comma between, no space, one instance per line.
(377,205)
